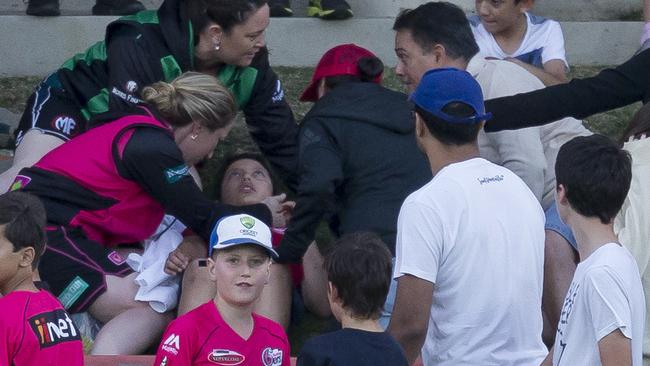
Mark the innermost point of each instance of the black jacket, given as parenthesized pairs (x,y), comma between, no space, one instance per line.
(151,46)
(358,161)
(580,98)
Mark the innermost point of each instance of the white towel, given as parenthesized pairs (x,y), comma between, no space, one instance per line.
(157,287)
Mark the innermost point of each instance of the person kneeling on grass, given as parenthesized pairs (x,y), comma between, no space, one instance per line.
(34,327)
(603,313)
(225,330)
(359,269)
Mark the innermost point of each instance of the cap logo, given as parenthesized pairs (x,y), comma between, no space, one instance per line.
(247,221)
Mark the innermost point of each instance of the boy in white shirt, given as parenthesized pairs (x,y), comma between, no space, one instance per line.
(505,29)
(603,314)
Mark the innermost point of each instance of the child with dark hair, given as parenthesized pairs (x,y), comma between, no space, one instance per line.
(603,312)
(359,272)
(505,29)
(34,327)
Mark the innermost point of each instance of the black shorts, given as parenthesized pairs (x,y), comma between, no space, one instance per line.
(75,267)
(51,110)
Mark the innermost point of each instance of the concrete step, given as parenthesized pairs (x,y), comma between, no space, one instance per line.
(573,10)
(35,46)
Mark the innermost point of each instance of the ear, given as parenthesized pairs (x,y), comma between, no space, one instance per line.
(420,128)
(526,5)
(215,32)
(268,272)
(27,257)
(212,269)
(561,195)
(332,293)
(439,54)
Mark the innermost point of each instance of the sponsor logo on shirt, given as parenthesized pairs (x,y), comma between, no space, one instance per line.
(272,357)
(278,94)
(116,258)
(225,357)
(128,97)
(487,180)
(54,327)
(173,175)
(19,182)
(131,86)
(172,344)
(73,292)
(567,308)
(65,124)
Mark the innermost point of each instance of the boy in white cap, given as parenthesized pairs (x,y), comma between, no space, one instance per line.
(225,330)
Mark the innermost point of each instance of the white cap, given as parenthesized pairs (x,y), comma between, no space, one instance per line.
(241,229)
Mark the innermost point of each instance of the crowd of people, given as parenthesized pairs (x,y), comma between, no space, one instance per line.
(478,221)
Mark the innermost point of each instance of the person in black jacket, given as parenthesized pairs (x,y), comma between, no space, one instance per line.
(358,159)
(580,98)
(224,38)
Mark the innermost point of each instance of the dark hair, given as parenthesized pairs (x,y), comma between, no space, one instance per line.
(638,125)
(451,133)
(360,268)
(23,217)
(226,13)
(439,23)
(596,175)
(369,69)
(229,160)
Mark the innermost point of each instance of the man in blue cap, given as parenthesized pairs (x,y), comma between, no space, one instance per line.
(470,243)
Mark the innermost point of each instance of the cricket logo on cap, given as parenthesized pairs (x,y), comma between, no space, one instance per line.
(247,221)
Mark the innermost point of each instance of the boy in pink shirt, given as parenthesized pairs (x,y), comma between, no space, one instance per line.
(225,331)
(34,327)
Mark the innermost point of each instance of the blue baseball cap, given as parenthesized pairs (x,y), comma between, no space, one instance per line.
(439,87)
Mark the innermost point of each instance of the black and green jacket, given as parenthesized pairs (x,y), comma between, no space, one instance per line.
(151,46)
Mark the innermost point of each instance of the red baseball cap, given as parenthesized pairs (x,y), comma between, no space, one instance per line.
(340,60)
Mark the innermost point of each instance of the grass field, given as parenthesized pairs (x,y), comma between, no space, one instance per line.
(14,93)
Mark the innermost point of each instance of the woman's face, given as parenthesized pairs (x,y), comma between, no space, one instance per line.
(239,46)
(245,182)
(196,142)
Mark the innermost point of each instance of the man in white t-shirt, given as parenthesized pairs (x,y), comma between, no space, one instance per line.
(438,34)
(470,243)
(603,315)
(506,30)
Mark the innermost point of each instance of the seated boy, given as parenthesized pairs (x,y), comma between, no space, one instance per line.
(603,313)
(504,29)
(359,271)
(34,327)
(225,331)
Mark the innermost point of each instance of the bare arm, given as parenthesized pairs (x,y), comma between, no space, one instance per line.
(554,71)
(410,318)
(615,349)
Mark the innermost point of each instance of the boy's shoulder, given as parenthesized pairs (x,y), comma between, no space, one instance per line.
(351,338)
(12,304)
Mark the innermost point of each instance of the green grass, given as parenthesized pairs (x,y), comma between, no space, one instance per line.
(14,93)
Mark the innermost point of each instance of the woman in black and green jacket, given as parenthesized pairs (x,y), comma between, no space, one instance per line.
(218,37)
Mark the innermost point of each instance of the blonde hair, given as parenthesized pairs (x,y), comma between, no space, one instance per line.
(192,97)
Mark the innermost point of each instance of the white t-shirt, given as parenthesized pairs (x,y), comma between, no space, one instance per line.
(477,232)
(605,295)
(542,42)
